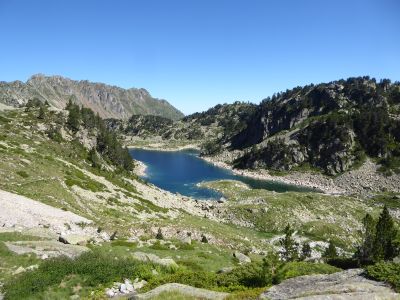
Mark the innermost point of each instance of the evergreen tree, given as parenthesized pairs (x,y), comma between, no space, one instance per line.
(159,235)
(330,252)
(365,252)
(305,251)
(94,158)
(74,117)
(204,239)
(289,245)
(384,246)
(270,265)
(42,113)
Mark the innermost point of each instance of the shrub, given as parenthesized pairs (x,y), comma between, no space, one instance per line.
(157,246)
(96,269)
(159,235)
(23,174)
(199,279)
(386,271)
(294,269)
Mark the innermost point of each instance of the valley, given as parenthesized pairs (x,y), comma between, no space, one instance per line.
(216,225)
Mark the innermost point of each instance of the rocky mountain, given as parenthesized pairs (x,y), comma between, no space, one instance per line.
(109,101)
(331,127)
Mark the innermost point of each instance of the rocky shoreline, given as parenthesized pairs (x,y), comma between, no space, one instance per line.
(363,181)
(164,147)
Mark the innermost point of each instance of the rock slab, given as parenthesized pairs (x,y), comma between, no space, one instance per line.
(346,285)
(183,289)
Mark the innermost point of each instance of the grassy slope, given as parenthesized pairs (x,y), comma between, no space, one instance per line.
(314,215)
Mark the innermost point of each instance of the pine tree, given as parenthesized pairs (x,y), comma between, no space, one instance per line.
(74,117)
(204,239)
(42,113)
(384,247)
(270,265)
(94,158)
(365,252)
(305,251)
(159,235)
(289,245)
(330,252)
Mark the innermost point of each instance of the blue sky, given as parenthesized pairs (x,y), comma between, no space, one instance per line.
(199,53)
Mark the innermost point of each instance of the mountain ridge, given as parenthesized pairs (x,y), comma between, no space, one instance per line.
(107,100)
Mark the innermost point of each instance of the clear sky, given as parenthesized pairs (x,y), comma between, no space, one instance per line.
(199,53)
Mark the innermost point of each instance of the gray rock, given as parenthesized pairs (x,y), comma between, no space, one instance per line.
(168,262)
(346,285)
(187,240)
(139,284)
(74,239)
(243,259)
(184,290)
(225,270)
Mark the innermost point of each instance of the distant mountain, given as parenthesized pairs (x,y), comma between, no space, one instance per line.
(221,121)
(109,101)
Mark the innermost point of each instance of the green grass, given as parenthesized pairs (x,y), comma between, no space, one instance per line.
(76,177)
(314,215)
(295,269)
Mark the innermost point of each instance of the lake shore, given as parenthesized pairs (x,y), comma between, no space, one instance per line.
(365,180)
(298,179)
(163,147)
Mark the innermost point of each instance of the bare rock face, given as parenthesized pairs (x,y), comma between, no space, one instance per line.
(108,101)
(344,285)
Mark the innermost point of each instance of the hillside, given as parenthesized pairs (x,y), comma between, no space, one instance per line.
(109,101)
(68,189)
(216,125)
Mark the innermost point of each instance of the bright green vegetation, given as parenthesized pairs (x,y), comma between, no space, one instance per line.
(63,277)
(97,269)
(9,260)
(295,269)
(316,216)
(386,271)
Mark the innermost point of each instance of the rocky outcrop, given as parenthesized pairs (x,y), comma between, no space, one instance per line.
(148,257)
(346,285)
(182,289)
(109,101)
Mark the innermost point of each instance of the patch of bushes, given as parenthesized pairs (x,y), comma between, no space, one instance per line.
(23,174)
(79,179)
(295,269)
(388,272)
(94,268)
(158,246)
(123,243)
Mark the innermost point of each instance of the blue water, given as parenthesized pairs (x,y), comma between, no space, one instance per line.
(180,171)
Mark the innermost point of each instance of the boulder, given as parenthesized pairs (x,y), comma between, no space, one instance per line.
(74,239)
(346,285)
(242,258)
(186,290)
(187,240)
(168,262)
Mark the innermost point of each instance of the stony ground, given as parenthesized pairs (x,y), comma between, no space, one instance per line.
(346,285)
